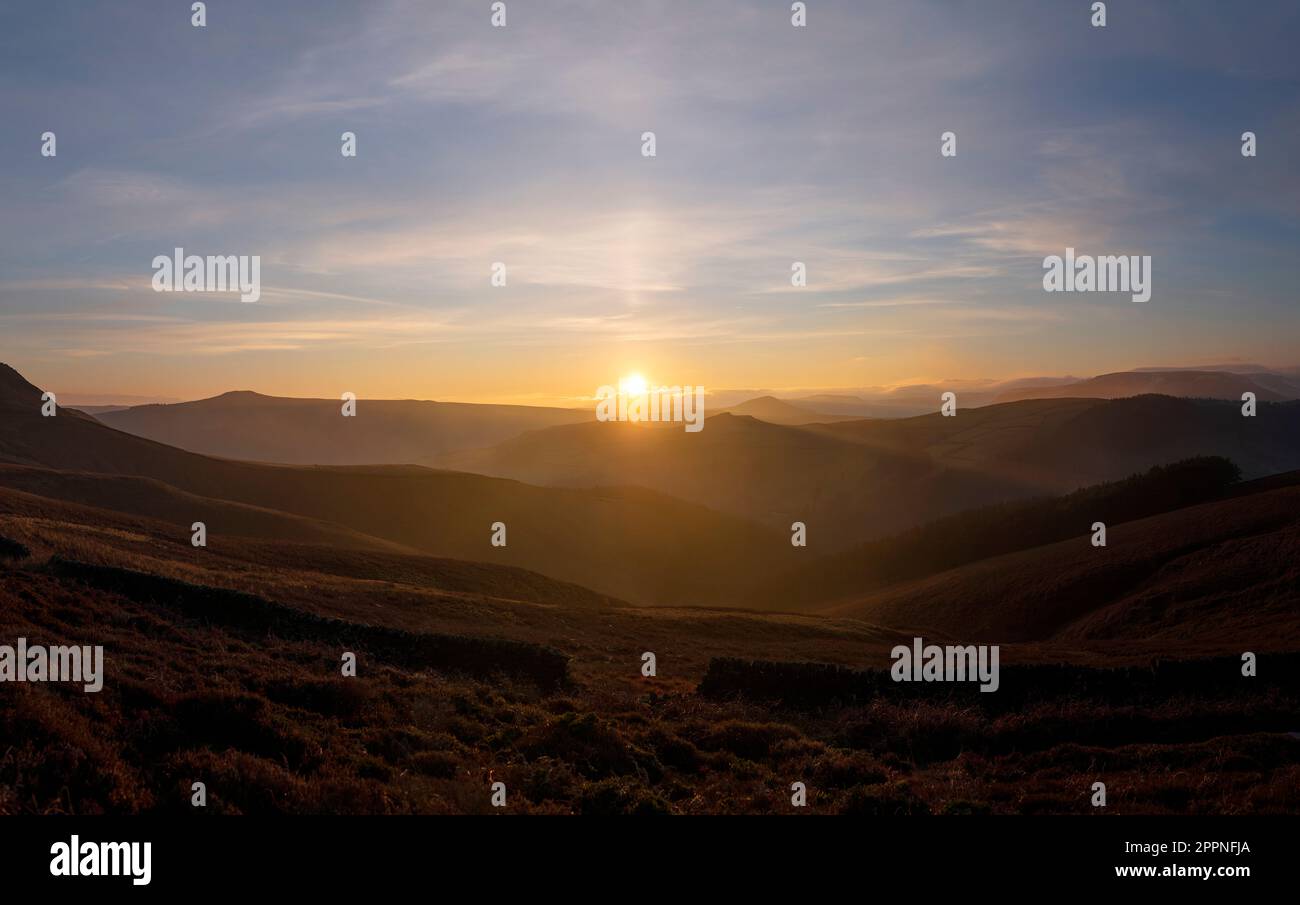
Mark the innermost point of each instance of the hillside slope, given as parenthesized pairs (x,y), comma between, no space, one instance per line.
(857,480)
(1193,384)
(1218,573)
(250,426)
(780,411)
(772,474)
(989,531)
(1058,445)
(627,542)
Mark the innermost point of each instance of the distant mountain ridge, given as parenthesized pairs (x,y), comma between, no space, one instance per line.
(781,411)
(250,426)
(904,401)
(855,480)
(648,513)
(1194,384)
(627,542)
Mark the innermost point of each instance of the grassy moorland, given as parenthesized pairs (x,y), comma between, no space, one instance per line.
(201,689)
(224,662)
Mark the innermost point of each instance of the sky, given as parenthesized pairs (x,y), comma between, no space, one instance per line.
(522,145)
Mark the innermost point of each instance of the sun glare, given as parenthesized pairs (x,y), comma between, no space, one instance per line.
(634,385)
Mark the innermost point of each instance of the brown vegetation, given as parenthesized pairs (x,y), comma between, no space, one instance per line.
(223,663)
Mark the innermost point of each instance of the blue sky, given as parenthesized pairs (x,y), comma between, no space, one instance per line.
(522,145)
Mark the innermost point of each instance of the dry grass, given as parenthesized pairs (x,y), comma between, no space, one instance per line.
(265,719)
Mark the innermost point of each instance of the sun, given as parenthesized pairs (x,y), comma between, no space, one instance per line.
(634,385)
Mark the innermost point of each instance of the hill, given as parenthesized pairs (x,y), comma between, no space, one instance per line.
(777,411)
(857,480)
(1192,384)
(250,426)
(982,533)
(1218,574)
(154,499)
(626,542)
(196,685)
(1059,445)
(769,473)
(223,662)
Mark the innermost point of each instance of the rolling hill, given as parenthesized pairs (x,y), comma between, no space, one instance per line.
(779,411)
(1058,445)
(978,534)
(1191,384)
(626,542)
(223,662)
(253,427)
(856,480)
(769,473)
(1218,574)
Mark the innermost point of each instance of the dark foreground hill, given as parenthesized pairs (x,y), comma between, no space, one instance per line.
(1224,572)
(990,531)
(224,668)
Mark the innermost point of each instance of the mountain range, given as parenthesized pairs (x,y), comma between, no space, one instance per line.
(645,512)
(625,541)
(525,662)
